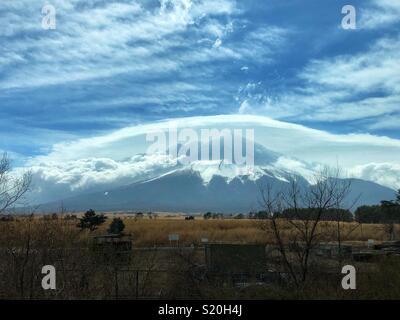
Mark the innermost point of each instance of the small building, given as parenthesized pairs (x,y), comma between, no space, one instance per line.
(332,251)
(389,246)
(113,244)
(368,256)
(114,240)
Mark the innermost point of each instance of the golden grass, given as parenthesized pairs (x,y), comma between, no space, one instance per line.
(154,232)
(149,232)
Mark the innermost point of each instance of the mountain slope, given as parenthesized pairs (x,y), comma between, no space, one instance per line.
(185,190)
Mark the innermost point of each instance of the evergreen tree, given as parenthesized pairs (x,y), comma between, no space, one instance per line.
(91,220)
(116,226)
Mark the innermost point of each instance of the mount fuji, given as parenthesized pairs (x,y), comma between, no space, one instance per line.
(202,186)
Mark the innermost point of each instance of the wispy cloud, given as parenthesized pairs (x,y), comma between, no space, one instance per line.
(109,38)
(347,87)
(380,13)
(387,122)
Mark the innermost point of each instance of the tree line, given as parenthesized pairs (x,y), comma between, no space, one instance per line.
(386,212)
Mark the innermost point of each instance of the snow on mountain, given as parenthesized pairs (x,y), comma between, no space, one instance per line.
(209,186)
(85,176)
(184,190)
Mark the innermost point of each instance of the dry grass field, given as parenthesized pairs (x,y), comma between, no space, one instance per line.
(154,232)
(150,232)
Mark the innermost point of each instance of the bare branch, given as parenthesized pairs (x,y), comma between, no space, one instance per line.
(12,189)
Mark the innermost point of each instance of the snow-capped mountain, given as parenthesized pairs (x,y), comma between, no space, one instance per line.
(211,186)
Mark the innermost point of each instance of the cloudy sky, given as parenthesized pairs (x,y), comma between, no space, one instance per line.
(111,65)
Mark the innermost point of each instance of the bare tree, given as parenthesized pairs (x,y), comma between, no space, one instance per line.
(12,188)
(295,214)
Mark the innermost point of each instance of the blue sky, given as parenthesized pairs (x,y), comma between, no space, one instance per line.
(113,64)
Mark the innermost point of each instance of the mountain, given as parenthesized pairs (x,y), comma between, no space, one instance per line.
(213,186)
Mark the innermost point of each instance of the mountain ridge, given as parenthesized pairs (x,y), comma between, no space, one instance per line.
(184,190)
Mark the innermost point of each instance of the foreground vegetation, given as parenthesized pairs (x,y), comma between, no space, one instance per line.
(28,243)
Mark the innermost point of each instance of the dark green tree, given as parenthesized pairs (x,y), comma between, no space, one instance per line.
(91,220)
(207,215)
(260,215)
(369,214)
(116,226)
(331,214)
(139,215)
(217,215)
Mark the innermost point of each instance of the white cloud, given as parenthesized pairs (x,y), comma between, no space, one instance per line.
(347,87)
(386,174)
(311,144)
(96,40)
(58,180)
(217,43)
(388,122)
(104,39)
(85,173)
(380,14)
(371,70)
(100,40)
